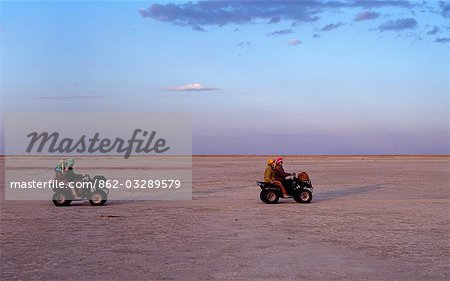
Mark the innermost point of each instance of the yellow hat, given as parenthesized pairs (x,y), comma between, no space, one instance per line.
(270,161)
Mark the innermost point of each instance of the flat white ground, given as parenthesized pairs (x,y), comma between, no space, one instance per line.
(371,218)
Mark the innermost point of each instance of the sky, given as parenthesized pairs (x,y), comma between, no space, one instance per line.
(260,77)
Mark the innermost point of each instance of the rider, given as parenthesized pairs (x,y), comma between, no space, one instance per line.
(64,171)
(72,176)
(269,173)
(269,176)
(280,174)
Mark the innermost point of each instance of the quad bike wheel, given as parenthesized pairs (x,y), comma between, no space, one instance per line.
(98,198)
(269,196)
(303,196)
(60,199)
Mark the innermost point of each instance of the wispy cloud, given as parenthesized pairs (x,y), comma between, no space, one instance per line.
(280,32)
(366,15)
(144,13)
(64,97)
(445,9)
(397,25)
(433,31)
(294,42)
(331,26)
(194,87)
(442,40)
(275,19)
(198,28)
(243,43)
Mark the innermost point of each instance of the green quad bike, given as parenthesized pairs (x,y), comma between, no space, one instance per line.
(97,196)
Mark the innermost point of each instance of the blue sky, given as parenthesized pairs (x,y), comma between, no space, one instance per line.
(260,77)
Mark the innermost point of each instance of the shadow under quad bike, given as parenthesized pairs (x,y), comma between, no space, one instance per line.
(97,196)
(300,190)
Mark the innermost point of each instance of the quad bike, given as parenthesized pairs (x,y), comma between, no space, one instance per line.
(300,189)
(97,196)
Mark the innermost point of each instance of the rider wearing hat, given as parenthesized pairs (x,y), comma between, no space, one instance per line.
(270,176)
(280,174)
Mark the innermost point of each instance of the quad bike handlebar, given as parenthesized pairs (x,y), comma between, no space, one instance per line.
(292,175)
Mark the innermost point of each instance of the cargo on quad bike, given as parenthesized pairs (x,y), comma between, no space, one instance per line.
(299,188)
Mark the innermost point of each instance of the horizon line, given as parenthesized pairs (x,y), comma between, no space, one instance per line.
(245,155)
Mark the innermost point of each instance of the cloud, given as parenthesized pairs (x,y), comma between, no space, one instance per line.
(433,31)
(220,13)
(380,4)
(294,42)
(240,44)
(280,32)
(366,15)
(445,9)
(199,15)
(397,25)
(228,12)
(442,40)
(316,35)
(194,87)
(331,26)
(198,28)
(275,19)
(144,13)
(64,97)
